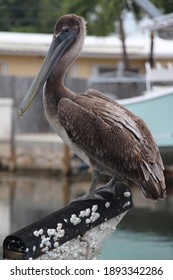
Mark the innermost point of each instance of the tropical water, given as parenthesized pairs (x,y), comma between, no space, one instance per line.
(146,232)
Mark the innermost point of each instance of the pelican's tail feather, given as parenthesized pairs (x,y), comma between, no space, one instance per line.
(154,190)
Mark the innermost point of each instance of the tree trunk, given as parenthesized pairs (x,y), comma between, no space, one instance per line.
(123,40)
(151,59)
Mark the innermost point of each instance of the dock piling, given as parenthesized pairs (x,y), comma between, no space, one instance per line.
(74,223)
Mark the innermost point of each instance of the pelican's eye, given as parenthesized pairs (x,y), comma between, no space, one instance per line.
(65,29)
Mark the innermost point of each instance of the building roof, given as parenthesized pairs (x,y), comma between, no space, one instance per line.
(24,43)
(37,44)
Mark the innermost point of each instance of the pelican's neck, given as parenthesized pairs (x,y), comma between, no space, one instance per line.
(55,89)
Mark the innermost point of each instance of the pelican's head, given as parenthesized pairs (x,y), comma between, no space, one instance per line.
(66,45)
(70,23)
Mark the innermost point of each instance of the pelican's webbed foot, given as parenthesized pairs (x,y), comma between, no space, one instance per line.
(110,186)
(113,186)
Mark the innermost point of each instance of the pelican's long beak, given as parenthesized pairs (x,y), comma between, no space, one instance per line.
(56,50)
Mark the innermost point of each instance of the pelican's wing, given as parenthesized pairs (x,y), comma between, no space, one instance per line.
(107,134)
(148,145)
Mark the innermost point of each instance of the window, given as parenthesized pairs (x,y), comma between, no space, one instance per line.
(3,68)
(97,70)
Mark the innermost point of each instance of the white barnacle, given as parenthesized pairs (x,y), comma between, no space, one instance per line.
(42,237)
(48,243)
(45,249)
(74,219)
(107,204)
(60,233)
(94,216)
(41,231)
(56,244)
(127,194)
(82,213)
(51,231)
(87,221)
(59,225)
(87,211)
(36,233)
(34,248)
(45,240)
(94,208)
(126,204)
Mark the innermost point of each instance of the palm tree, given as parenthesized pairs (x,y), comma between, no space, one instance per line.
(102,15)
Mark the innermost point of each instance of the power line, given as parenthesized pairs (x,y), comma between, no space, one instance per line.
(22,20)
(25,7)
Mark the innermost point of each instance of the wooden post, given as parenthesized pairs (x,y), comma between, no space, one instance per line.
(76,223)
(67,160)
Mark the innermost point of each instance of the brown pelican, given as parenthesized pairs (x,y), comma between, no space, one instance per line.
(101,132)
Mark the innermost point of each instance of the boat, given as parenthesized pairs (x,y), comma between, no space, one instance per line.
(155,107)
